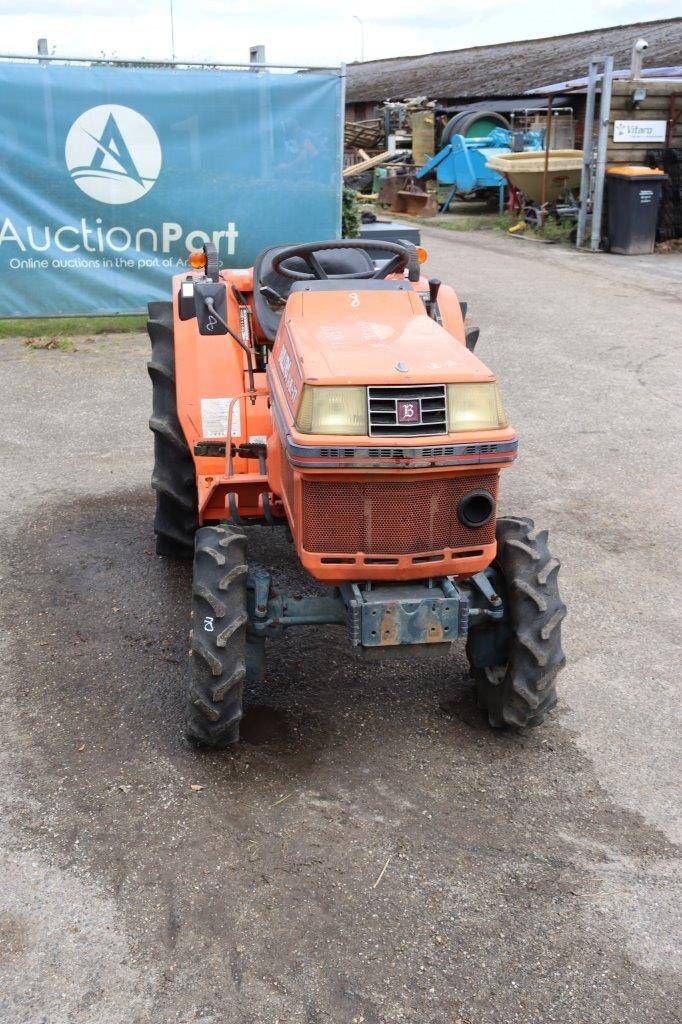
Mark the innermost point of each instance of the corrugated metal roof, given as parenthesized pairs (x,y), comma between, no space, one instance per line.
(509,68)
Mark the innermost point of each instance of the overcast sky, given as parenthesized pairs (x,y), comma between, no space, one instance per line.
(300,31)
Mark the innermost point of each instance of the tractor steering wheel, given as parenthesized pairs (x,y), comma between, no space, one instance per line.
(404,255)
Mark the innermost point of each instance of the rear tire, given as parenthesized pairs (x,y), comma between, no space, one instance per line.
(173,477)
(515,662)
(462,122)
(217,661)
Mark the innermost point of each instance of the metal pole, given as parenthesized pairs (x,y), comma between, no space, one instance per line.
(342,126)
(545,173)
(172,26)
(602,144)
(586,172)
(139,62)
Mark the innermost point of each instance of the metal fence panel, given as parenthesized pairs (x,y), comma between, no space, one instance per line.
(109,175)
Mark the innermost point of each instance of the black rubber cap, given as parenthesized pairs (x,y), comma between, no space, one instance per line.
(475,509)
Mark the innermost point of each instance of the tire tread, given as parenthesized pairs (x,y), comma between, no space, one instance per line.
(173,477)
(526,691)
(217,664)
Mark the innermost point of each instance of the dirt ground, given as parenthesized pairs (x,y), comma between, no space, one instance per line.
(371,853)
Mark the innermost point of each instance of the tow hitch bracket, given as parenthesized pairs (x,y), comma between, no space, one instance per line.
(389,616)
(434,611)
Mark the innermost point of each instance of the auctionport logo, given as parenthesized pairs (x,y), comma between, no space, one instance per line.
(113,154)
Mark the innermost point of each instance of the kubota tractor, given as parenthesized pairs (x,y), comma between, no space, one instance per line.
(334,391)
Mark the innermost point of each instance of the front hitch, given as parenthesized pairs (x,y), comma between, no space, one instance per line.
(434,611)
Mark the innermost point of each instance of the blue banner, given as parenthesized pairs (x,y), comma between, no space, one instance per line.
(109,176)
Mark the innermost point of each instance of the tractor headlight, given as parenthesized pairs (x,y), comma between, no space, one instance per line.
(332,411)
(475,407)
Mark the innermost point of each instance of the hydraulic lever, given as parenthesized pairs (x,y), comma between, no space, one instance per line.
(432,309)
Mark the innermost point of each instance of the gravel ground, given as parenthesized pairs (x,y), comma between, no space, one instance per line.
(365,856)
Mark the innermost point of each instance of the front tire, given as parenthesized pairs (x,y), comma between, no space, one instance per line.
(217,662)
(515,661)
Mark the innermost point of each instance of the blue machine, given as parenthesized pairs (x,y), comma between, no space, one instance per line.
(462,163)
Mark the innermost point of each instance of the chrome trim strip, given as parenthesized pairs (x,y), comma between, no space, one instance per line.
(384,456)
(394,456)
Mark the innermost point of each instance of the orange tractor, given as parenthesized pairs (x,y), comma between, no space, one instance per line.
(333,390)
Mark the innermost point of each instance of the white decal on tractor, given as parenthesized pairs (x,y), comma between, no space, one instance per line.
(214,413)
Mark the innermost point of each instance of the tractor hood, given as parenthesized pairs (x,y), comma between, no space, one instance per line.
(374,337)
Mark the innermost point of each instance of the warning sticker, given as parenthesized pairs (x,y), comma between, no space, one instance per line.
(214,413)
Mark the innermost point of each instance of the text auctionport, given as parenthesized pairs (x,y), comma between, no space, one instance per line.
(87,237)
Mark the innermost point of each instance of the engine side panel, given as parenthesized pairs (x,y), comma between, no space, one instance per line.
(211,384)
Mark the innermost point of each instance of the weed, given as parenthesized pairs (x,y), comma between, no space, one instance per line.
(71,326)
(555,230)
(61,344)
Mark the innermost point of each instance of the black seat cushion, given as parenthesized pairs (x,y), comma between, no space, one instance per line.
(338,262)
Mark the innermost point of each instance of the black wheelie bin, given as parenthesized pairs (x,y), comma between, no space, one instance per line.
(633,197)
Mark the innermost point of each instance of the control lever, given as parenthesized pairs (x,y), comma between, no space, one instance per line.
(432,303)
(272,296)
(472,337)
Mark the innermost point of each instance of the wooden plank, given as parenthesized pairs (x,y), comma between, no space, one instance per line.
(365,165)
(645,114)
(624,87)
(659,100)
(648,110)
(675,141)
(624,155)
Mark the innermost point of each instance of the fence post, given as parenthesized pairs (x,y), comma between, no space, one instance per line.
(602,144)
(588,144)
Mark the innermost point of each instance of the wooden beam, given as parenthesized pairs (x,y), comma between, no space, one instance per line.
(624,86)
(650,109)
(365,165)
(619,153)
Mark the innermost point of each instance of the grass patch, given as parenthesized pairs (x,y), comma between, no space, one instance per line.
(66,327)
(61,344)
(482,222)
(552,230)
(506,220)
(555,230)
(457,222)
(466,222)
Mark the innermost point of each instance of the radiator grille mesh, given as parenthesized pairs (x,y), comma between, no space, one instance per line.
(392,517)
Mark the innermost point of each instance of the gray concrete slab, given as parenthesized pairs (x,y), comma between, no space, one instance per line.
(528,878)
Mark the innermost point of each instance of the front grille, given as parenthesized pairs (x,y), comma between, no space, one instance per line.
(392,517)
(425,406)
(288,482)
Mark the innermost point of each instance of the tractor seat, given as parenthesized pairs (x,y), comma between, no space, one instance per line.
(268,310)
